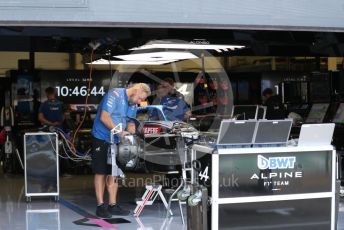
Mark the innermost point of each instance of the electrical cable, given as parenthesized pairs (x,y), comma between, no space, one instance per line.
(77,154)
(69,143)
(52,145)
(110,67)
(61,132)
(86,100)
(68,157)
(77,159)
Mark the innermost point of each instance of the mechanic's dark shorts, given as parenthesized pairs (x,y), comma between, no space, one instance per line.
(100,150)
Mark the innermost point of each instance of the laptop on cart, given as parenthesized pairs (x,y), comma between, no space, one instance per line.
(316,134)
(272,133)
(236,134)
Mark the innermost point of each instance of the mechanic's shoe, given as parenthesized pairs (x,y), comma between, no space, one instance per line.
(117,210)
(102,212)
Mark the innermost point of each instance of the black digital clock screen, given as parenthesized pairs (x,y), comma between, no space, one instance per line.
(72,86)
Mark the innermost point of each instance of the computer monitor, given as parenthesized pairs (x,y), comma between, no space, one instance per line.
(272,132)
(317,113)
(245,112)
(339,116)
(236,133)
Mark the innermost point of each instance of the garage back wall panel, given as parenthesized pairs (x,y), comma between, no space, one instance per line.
(231,14)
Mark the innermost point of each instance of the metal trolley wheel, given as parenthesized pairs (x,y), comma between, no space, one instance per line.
(183,195)
(193,200)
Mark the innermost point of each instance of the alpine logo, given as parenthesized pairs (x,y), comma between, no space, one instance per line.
(275,162)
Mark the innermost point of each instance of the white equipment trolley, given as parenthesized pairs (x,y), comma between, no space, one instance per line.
(41,165)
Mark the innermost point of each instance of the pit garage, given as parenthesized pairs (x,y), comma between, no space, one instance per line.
(253,138)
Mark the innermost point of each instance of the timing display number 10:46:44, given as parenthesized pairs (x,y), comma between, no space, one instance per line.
(65,91)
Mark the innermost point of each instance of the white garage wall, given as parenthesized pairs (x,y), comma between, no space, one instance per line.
(267,14)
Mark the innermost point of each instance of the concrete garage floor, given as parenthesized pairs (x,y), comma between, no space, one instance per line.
(340,225)
(77,204)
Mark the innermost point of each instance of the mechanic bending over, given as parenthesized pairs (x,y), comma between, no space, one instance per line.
(50,112)
(173,101)
(114,109)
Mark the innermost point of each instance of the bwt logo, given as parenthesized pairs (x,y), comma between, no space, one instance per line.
(275,162)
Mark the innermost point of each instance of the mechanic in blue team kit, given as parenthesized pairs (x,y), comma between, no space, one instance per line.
(116,107)
(50,112)
(175,107)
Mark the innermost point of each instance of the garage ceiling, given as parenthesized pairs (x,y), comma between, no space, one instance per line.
(119,40)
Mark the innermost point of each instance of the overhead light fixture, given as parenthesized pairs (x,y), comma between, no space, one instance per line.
(139,62)
(195,45)
(158,56)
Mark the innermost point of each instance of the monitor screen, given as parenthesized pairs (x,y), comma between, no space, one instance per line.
(245,112)
(339,116)
(273,131)
(236,132)
(294,91)
(317,113)
(71,86)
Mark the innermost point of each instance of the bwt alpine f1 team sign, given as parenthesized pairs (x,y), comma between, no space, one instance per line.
(280,176)
(274,173)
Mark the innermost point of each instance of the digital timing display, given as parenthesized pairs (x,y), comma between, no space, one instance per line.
(65,91)
(72,86)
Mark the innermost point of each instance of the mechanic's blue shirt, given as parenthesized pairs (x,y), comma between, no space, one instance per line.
(52,110)
(174,107)
(116,103)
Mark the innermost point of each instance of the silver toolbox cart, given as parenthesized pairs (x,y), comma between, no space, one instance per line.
(41,165)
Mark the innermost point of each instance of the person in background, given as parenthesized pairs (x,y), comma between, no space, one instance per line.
(116,107)
(175,106)
(50,112)
(274,107)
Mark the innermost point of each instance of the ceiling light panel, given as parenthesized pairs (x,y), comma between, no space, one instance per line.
(186,46)
(107,62)
(157,56)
